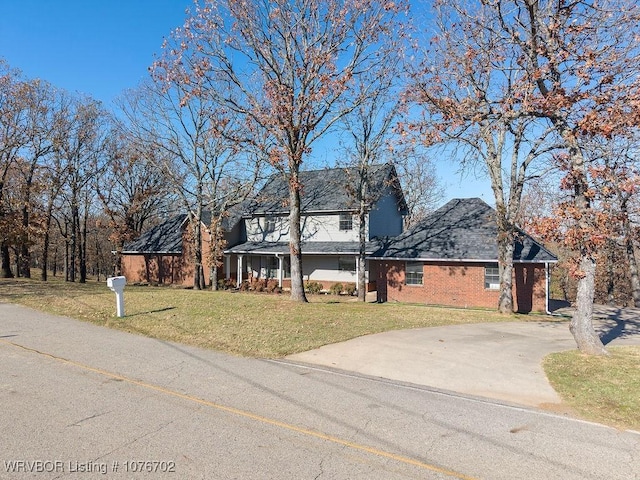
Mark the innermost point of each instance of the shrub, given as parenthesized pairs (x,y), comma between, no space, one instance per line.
(313,287)
(258,285)
(336,289)
(272,286)
(350,289)
(226,284)
(244,286)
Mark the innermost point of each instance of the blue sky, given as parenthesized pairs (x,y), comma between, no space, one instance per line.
(102,47)
(97,47)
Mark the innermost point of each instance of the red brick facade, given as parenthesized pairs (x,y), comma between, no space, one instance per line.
(461,284)
(165,269)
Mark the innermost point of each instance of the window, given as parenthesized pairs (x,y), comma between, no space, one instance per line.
(270,224)
(346,221)
(347,264)
(272,267)
(492,276)
(413,273)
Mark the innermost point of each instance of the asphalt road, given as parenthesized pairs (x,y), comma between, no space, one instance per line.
(80,401)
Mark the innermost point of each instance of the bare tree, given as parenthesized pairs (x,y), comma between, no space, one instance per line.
(131,193)
(368,133)
(615,175)
(13,137)
(197,145)
(470,85)
(421,186)
(79,141)
(288,68)
(583,62)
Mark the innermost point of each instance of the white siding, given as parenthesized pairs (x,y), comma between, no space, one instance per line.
(384,220)
(315,228)
(325,268)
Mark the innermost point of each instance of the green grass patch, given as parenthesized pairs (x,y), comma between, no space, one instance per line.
(258,325)
(604,389)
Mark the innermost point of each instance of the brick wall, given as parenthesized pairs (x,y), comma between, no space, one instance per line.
(168,269)
(461,285)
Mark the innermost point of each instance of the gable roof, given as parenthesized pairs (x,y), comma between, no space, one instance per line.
(163,238)
(167,236)
(462,229)
(326,190)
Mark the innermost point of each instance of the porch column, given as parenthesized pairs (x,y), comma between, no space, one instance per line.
(239,273)
(357,270)
(280,269)
(227,267)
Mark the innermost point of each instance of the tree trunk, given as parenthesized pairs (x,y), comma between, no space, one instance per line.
(633,271)
(631,257)
(362,241)
(505,264)
(45,253)
(581,324)
(611,283)
(6,261)
(198,274)
(54,267)
(82,251)
(213,277)
(297,281)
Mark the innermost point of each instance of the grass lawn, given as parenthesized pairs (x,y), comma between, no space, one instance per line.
(258,325)
(602,389)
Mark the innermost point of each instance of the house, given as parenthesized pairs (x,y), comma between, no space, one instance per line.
(451,258)
(164,255)
(329,226)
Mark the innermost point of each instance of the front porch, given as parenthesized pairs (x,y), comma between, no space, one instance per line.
(327,263)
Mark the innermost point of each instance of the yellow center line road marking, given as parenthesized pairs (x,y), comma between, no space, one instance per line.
(252,416)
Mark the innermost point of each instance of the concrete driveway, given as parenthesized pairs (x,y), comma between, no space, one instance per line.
(494,360)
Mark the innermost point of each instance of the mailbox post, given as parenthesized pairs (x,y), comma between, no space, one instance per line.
(116,284)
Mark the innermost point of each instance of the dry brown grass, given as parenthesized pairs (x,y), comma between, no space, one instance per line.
(260,325)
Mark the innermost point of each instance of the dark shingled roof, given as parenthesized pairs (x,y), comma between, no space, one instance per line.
(462,229)
(163,238)
(308,248)
(167,237)
(324,190)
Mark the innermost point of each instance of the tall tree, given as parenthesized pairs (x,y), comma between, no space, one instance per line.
(131,193)
(583,60)
(40,123)
(368,133)
(615,172)
(197,145)
(13,137)
(471,88)
(79,141)
(288,68)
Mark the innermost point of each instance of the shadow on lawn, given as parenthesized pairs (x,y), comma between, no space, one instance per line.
(151,311)
(610,322)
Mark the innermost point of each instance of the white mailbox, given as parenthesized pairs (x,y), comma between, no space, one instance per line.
(116,284)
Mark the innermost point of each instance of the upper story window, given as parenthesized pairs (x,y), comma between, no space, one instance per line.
(270,224)
(413,273)
(492,276)
(346,221)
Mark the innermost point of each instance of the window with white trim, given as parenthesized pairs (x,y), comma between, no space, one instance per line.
(346,221)
(270,224)
(492,276)
(413,273)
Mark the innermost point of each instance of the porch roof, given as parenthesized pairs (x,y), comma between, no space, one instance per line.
(308,248)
